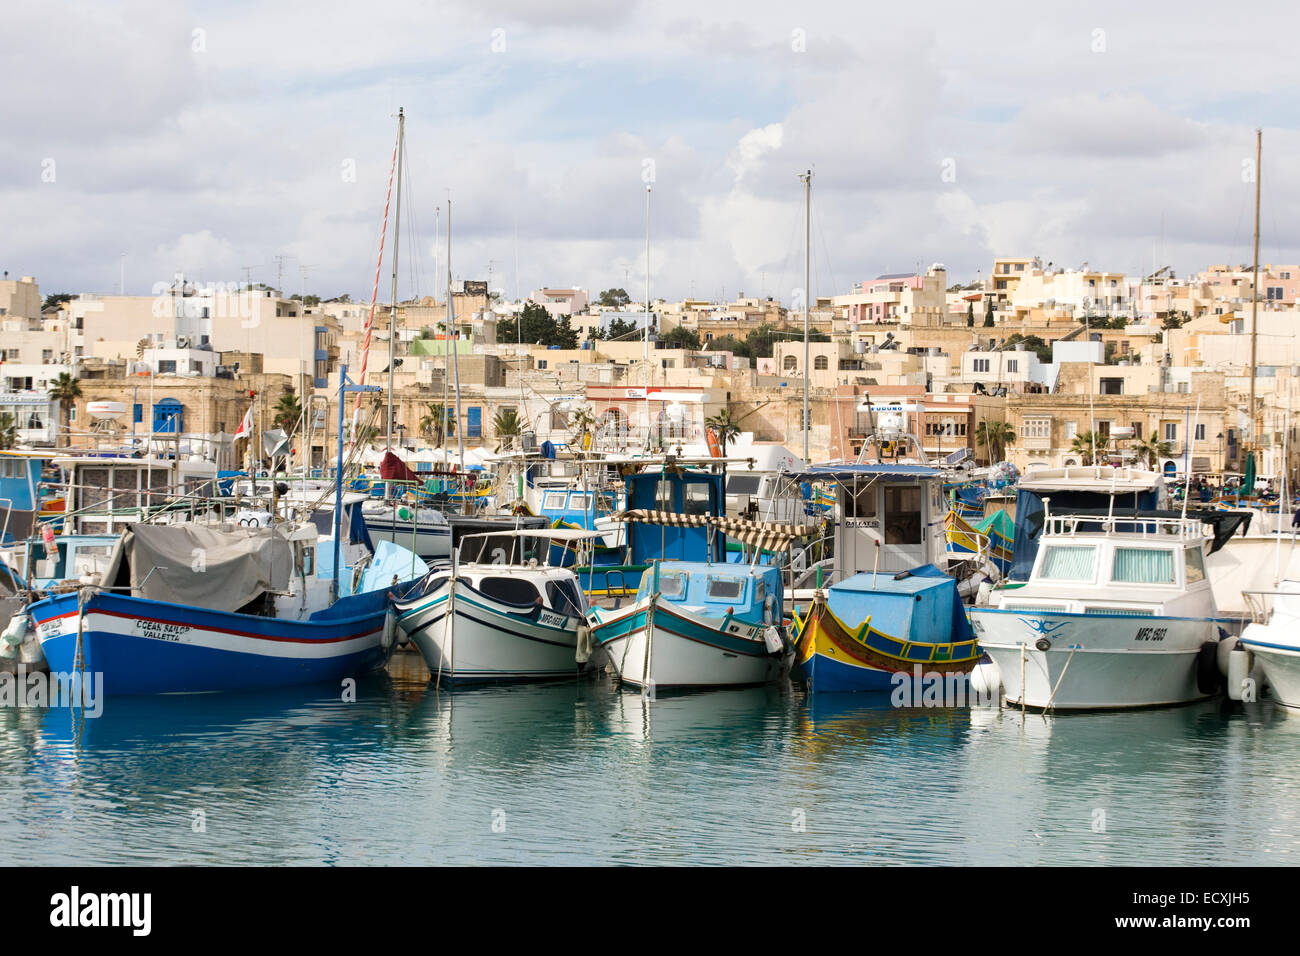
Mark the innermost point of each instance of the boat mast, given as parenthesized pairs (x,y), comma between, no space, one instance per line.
(806,179)
(1254,304)
(451,326)
(397,241)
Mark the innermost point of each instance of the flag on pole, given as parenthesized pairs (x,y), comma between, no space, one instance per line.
(246,426)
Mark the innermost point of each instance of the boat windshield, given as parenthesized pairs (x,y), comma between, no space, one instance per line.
(725,589)
(670,585)
(1074,563)
(1143,566)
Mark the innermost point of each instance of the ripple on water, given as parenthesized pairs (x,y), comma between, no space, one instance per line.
(583,772)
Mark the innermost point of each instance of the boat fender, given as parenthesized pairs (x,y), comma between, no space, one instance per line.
(584,644)
(1208,677)
(1226,646)
(772,638)
(1240,662)
(986,682)
(16,631)
(769,606)
(390,629)
(1043,644)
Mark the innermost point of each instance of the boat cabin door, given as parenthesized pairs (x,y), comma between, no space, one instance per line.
(890,512)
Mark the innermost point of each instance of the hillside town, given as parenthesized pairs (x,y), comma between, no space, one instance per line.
(1038,364)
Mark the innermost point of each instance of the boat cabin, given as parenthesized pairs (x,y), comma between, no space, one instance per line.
(108,493)
(894,511)
(752,595)
(1155,567)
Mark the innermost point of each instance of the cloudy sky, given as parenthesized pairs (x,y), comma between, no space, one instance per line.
(212,138)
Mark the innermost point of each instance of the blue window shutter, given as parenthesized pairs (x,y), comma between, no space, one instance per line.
(137,413)
(474,422)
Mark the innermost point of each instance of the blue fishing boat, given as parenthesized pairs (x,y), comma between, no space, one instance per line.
(876,632)
(186,608)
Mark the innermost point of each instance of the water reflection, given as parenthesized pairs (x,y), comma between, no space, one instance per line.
(582,771)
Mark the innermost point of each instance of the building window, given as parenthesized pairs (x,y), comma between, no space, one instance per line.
(1013,365)
(474,422)
(166,366)
(1112,386)
(821,363)
(1071,430)
(541,364)
(1171,431)
(137,414)
(1036,428)
(169,417)
(47,356)
(789,363)
(981,365)
(1200,432)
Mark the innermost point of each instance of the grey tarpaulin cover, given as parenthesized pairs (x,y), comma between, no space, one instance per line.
(201,566)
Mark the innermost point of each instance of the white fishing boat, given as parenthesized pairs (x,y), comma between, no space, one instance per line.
(499,621)
(1273,642)
(425,531)
(1117,613)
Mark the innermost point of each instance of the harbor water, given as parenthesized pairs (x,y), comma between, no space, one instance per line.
(583,772)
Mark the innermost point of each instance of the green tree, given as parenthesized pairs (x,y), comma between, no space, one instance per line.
(729,343)
(724,426)
(988,313)
(1089,446)
(618,330)
(614,298)
(680,338)
(438,423)
(970,315)
(995,437)
(1032,342)
(288,410)
(66,390)
(58,298)
(8,431)
(538,328)
(1151,450)
(506,425)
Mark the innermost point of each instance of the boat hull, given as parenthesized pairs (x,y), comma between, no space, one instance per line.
(1096,662)
(430,541)
(473,638)
(836,658)
(151,647)
(1280,661)
(669,648)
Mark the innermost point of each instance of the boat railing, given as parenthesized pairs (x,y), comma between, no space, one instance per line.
(1068,525)
(1260,603)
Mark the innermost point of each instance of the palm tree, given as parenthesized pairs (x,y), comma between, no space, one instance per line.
(725,427)
(583,422)
(66,390)
(1089,446)
(288,410)
(506,425)
(437,424)
(995,437)
(1152,450)
(8,431)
